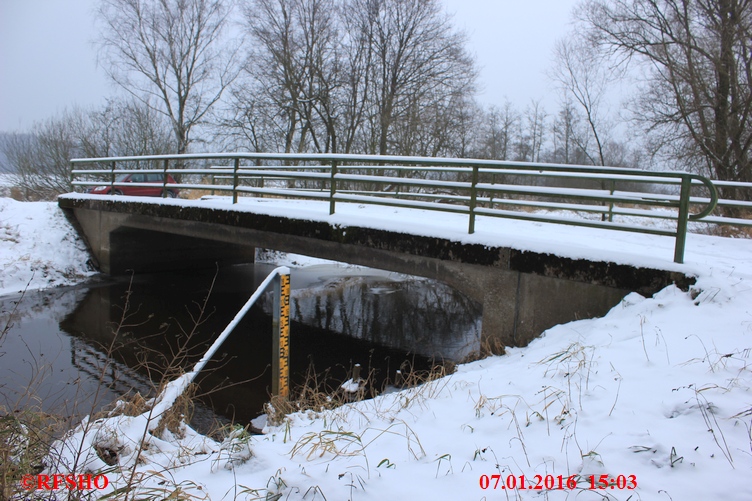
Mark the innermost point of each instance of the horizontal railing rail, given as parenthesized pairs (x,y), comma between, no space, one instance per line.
(555,193)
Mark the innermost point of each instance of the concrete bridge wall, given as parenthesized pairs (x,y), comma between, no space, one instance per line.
(522,293)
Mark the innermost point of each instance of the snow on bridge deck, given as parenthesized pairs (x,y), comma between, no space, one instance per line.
(597,245)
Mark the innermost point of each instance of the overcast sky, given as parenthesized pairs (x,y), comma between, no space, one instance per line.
(48,63)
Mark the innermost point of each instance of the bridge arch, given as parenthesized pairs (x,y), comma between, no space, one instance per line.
(521,293)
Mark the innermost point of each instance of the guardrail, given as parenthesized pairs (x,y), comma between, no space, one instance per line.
(569,194)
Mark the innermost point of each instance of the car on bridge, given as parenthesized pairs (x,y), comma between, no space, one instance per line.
(155,179)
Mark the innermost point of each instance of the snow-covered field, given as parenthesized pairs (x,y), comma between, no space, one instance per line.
(656,396)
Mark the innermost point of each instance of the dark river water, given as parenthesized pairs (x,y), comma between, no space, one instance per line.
(74,350)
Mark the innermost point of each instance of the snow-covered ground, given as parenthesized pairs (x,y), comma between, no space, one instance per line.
(38,247)
(656,396)
(6,182)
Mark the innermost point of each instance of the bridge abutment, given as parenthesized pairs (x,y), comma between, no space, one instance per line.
(120,245)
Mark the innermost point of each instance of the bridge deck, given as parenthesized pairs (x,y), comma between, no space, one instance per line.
(596,245)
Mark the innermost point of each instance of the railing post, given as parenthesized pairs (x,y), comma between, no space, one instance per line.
(681,223)
(112,178)
(281,334)
(235,181)
(491,195)
(164,178)
(473,199)
(332,188)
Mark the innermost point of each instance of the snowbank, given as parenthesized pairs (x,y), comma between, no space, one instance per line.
(38,247)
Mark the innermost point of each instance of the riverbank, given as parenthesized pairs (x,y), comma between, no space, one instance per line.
(652,400)
(38,248)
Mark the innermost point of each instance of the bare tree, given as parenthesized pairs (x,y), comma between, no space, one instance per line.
(530,141)
(122,128)
(459,128)
(418,62)
(374,76)
(500,132)
(171,55)
(583,79)
(40,159)
(293,64)
(249,121)
(697,100)
(357,75)
(568,140)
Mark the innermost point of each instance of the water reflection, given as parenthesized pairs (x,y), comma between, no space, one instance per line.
(43,367)
(75,350)
(412,314)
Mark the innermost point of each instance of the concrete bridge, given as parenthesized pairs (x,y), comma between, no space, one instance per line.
(521,293)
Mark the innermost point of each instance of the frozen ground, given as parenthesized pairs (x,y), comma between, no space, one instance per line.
(656,396)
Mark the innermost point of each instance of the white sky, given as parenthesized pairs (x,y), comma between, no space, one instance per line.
(46,60)
(48,63)
(513,41)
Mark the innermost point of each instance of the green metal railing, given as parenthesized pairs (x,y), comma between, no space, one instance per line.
(554,193)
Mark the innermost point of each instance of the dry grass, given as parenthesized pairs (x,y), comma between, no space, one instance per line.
(194,194)
(730,231)
(25,438)
(178,414)
(317,394)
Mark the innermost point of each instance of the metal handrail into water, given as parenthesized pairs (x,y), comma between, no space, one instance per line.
(280,276)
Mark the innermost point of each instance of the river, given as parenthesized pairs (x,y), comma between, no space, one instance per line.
(72,351)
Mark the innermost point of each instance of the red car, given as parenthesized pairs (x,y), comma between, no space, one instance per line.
(145,191)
